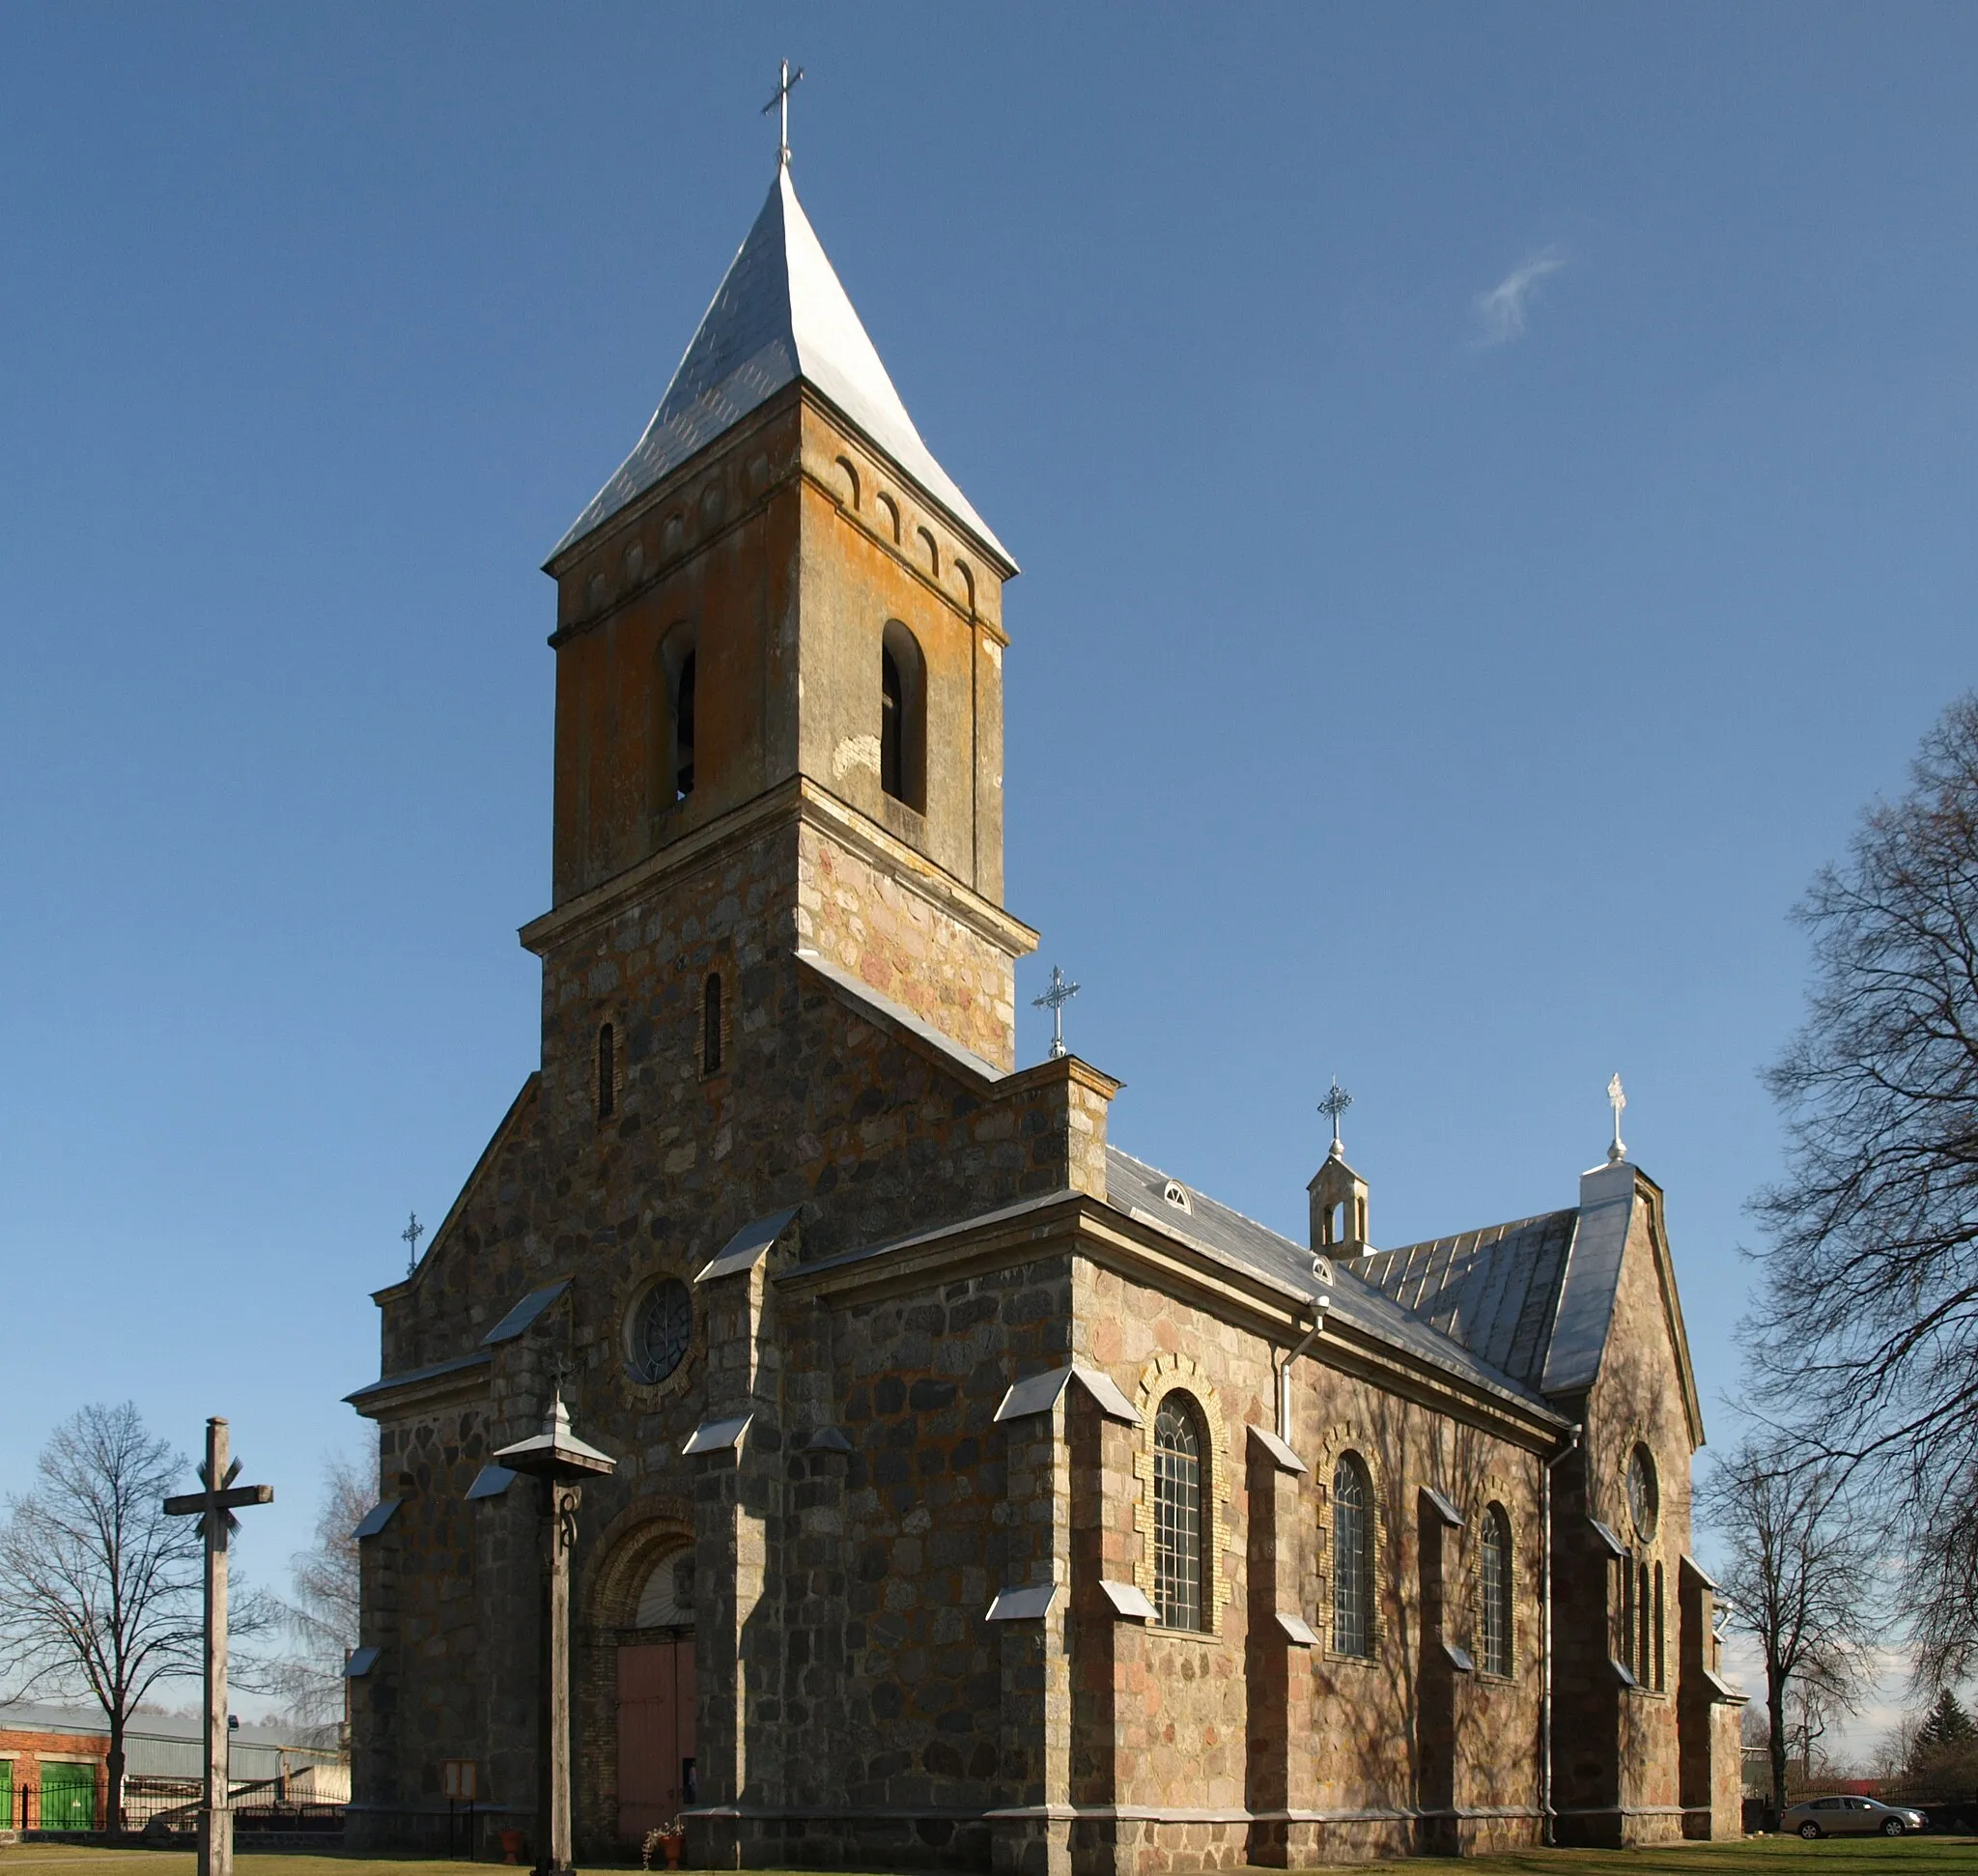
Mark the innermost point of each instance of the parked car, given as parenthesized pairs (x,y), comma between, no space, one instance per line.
(1836,1817)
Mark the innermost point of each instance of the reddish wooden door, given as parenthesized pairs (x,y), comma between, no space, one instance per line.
(655,1735)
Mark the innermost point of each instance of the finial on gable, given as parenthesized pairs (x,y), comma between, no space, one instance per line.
(782,102)
(1617,1100)
(1337,1193)
(1334,1104)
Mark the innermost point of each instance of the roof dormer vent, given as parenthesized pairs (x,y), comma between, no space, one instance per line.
(1177,1195)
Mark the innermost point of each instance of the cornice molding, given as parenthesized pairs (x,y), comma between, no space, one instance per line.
(802,802)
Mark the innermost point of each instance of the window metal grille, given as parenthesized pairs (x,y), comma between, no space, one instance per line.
(1352,1558)
(1177,1516)
(1495,1614)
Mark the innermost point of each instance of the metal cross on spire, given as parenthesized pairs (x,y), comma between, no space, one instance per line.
(410,1235)
(785,84)
(1334,1104)
(1617,1100)
(1055,998)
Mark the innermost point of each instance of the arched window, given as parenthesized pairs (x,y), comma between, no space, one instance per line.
(1494,1607)
(683,727)
(1643,1620)
(1657,1658)
(711,1025)
(1353,1557)
(608,1072)
(902,718)
(1178,1598)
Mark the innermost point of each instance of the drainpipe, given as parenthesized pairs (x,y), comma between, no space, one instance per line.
(1571,1446)
(1320,1303)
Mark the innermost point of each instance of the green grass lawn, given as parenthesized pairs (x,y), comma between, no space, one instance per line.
(1756,1857)
(1753,1857)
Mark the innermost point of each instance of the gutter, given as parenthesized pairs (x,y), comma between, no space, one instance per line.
(1321,1270)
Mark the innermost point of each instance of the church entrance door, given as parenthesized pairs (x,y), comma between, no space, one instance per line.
(655,1735)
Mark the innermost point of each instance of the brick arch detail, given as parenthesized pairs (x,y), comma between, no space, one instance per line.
(1165,1374)
(1494,1488)
(1350,1435)
(628,1547)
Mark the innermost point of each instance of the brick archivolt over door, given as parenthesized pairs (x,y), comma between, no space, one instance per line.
(629,1549)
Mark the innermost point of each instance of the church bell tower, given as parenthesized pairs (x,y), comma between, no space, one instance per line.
(781,620)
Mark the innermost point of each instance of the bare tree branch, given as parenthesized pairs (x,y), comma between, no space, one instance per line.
(99,1591)
(1799,1571)
(1868,1330)
(321,1618)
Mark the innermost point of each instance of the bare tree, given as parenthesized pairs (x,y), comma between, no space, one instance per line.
(99,1591)
(321,1617)
(1868,1331)
(1800,1573)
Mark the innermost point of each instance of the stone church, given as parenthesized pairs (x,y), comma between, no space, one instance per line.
(985,1496)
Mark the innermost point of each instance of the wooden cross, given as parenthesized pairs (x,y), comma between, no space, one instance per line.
(786,84)
(214,1508)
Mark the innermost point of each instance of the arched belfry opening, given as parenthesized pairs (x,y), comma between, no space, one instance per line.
(903,718)
(674,700)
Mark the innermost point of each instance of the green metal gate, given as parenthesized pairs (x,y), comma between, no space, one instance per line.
(6,1794)
(68,1797)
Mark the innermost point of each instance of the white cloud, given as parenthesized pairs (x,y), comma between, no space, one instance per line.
(1503,308)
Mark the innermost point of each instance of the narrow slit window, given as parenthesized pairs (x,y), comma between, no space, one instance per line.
(683,729)
(608,1072)
(711,1025)
(902,717)
(1177,1516)
(1495,1612)
(1352,1558)
(1642,1621)
(893,726)
(1660,1659)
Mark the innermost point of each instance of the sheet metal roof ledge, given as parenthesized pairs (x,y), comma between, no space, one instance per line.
(717,1435)
(1298,1631)
(1280,1455)
(1128,1599)
(1031,1604)
(1039,1394)
(748,1246)
(491,1481)
(1444,1510)
(522,1316)
(1607,1536)
(375,1518)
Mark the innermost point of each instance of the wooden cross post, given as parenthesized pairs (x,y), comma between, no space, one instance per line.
(214,1508)
(562,1462)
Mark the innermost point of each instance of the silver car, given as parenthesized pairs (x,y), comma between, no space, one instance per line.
(1848,1816)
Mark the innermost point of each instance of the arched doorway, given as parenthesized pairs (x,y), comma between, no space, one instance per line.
(656,1700)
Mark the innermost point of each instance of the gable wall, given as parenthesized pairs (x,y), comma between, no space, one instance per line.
(1634,1792)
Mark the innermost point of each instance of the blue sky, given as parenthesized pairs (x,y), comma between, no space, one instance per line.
(1495,491)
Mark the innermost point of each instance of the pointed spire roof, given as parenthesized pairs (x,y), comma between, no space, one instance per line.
(779,314)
